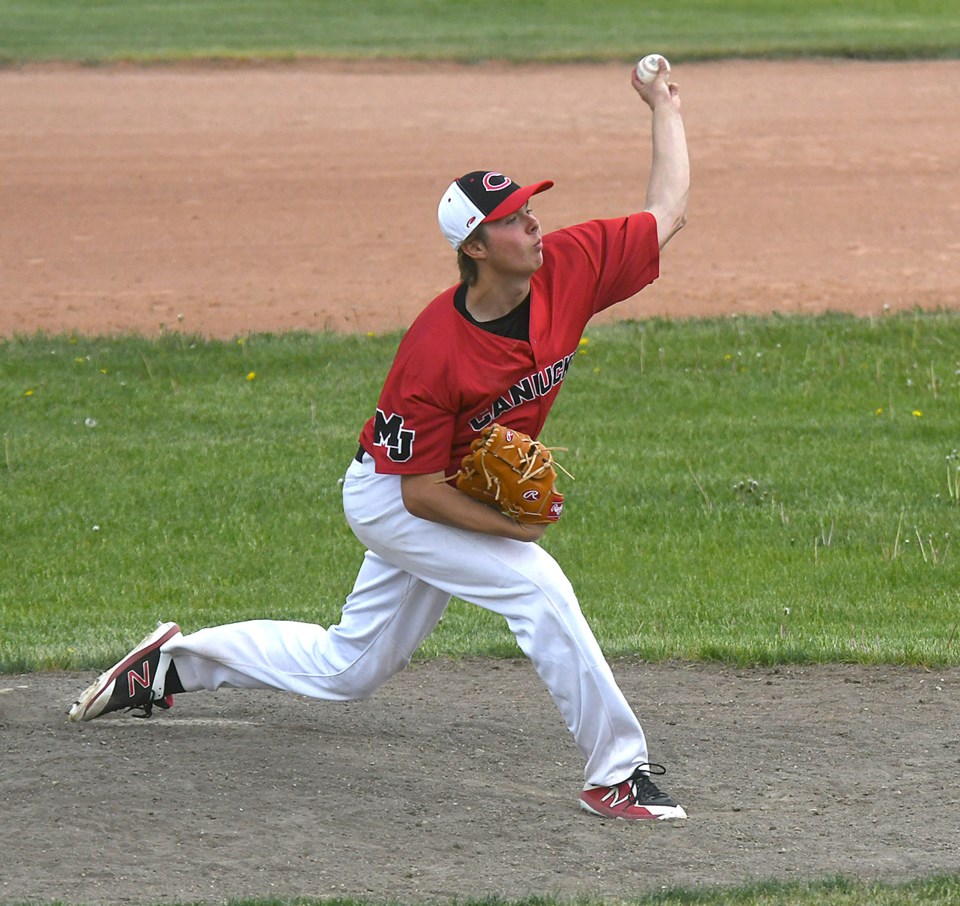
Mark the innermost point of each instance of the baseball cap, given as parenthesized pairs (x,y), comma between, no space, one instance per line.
(481,195)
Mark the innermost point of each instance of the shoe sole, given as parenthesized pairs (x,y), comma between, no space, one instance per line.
(81,708)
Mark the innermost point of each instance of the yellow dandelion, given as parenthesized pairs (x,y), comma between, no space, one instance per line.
(584,341)
(104,371)
(79,360)
(28,393)
(878,410)
(252,376)
(917,413)
(370,333)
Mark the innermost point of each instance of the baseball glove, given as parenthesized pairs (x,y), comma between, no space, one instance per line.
(511,471)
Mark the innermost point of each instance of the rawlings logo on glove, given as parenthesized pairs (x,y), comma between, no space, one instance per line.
(511,471)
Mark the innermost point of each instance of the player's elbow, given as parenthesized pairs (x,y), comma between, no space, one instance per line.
(419,493)
(680,220)
(671,218)
(412,502)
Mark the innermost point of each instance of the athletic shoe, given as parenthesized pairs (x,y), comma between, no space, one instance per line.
(635,798)
(134,683)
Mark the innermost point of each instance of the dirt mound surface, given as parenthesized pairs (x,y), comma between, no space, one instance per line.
(459,780)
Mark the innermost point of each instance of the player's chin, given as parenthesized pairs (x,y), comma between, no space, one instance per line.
(527,264)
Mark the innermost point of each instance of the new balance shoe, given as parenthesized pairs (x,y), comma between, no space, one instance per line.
(136,682)
(635,798)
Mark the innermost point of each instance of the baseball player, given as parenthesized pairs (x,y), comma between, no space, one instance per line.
(495,347)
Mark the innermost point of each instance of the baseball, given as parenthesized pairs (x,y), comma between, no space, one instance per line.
(648,67)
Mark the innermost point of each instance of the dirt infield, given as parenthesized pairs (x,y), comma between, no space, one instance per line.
(225,201)
(458,780)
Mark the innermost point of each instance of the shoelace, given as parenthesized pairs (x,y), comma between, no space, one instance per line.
(642,788)
(146,709)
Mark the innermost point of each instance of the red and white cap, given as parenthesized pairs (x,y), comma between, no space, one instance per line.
(480,196)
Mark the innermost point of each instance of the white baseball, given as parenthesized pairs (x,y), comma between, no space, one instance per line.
(649,66)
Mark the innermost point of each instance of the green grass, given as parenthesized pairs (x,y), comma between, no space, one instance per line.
(939,890)
(518,30)
(754,491)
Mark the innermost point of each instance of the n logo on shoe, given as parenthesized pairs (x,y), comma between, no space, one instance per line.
(136,679)
(615,796)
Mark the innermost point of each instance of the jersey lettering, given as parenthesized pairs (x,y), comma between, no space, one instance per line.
(389,432)
(522,391)
(529,388)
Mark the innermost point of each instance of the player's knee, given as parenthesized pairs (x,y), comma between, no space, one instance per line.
(361,681)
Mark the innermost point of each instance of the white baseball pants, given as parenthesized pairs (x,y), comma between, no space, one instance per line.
(409,572)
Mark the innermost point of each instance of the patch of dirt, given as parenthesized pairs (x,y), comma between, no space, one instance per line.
(459,780)
(226,201)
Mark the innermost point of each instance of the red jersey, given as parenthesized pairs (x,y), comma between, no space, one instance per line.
(451,378)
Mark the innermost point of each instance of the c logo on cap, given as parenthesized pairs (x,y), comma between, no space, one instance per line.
(494,182)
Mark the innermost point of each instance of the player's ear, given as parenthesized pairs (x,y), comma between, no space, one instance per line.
(475,245)
(474,248)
